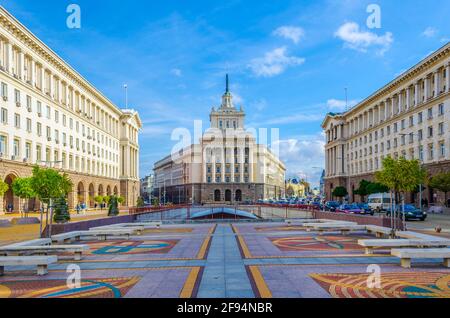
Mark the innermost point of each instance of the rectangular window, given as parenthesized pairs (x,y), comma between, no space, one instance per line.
(56,116)
(430,132)
(442,149)
(4,115)
(430,113)
(49,133)
(441,128)
(47,112)
(29,103)
(17,120)
(3,144)
(420,118)
(16,148)
(29,125)
(17,97)
(39,129)
(39,108)
(441,109)
(27,150)
(38,153)
(4,91)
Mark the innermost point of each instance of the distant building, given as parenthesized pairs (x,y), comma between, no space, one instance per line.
(322,183)
(227,165)
(147,187)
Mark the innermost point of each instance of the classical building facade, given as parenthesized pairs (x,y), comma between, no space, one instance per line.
(227,165)
(51,116)
(409,117)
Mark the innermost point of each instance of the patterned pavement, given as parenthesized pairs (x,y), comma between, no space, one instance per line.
(242,260)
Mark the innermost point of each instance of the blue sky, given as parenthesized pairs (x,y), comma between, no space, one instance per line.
(289,61)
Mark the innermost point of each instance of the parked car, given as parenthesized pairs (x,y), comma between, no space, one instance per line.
(411,212)
(331,206)
(350,209)
(379,202)
(365,207)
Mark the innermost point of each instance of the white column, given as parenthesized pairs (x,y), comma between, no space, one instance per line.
(242,163)
(436,83)
(213,165)
(250,165)
(33,72)
(42,76)
(21,63)
(447,78)
(408,98)
(9,53)
(400,102)
(426,92)
(416,94)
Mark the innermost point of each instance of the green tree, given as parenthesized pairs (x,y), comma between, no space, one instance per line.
(121,200)
(362,191)
(340,192)
(401,175)
(22,188)
(4,187)
(140,202)
(441,182)
(375,187)
(49,184)
(61,213)
(99,199)
(113,209)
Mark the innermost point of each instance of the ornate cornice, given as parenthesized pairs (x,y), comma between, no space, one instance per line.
(424,65)
(21,34)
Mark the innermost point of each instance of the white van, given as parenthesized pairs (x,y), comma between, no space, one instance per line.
(379,201)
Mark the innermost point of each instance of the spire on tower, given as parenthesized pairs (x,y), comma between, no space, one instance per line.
(227,90)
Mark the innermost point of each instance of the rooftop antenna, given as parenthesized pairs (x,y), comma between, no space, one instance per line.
(125,86)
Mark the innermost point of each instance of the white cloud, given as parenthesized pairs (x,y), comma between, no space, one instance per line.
(340,105)
(274,63)
(429,32)
(302,157)
(177,72)
(290,32)
(359,40)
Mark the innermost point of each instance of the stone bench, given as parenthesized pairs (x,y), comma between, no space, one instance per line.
(406,255)
(44,250)
(370,245)
(379,231)
(102,234)
(137,228)
(41,262)
(37,242)
(343,228)
(415,235)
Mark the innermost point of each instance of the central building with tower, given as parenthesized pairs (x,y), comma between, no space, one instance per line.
(227,165)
